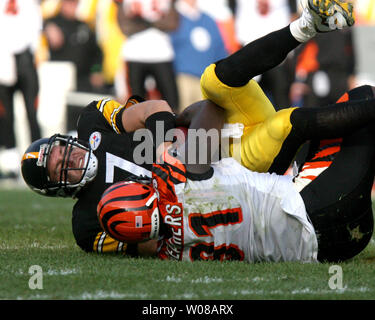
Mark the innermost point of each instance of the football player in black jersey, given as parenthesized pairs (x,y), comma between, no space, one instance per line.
(103,154)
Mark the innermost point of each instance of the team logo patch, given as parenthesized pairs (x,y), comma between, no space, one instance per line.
(95,139)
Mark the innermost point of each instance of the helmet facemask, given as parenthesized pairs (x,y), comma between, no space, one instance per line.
(88,167)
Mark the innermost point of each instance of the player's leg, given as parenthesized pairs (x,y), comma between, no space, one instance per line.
(165,78)
(7,135)
(338,200)
(320,153)
(228,83)
(29,86)
(9,157)
(261,145)
(272,144)
(299,125)
(135,78)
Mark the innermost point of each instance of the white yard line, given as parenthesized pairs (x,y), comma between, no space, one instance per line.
(5,246)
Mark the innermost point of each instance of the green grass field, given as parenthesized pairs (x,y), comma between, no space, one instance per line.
(37,231)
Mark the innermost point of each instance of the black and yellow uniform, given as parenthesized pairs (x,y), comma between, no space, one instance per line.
(265,130)
(100,124)
(271,139)
(229,84)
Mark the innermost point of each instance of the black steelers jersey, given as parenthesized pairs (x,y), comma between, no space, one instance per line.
(100,124)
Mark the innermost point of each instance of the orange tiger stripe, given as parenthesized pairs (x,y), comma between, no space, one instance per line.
(308,177)
(327,152)
(317,164)
(161,179)
(178,176)
(343,98)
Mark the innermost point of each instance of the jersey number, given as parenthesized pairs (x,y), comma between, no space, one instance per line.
(113,161)
(208,251)
(201,224)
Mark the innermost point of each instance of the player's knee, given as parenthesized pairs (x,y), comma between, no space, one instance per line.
(280,124)
(302,119)
(205,82)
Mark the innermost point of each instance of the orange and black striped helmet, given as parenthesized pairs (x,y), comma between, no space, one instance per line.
(128,212)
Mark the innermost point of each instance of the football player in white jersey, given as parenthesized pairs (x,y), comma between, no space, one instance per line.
(266,51)
(224,211)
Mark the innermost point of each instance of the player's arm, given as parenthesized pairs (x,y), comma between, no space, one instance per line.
(186,116)
(136,114)
(154,115)
(103,243)
(135,117)
(208,117)
(203,116)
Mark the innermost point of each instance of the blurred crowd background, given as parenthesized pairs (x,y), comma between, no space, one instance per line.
(56,56)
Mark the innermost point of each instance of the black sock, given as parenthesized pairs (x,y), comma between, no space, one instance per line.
(256,58)
(333,121)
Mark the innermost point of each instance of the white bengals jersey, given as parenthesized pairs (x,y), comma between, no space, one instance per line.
(238,214)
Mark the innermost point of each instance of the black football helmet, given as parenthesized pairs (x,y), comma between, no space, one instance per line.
(34,166)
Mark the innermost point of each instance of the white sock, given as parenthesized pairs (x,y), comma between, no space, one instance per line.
(303,28)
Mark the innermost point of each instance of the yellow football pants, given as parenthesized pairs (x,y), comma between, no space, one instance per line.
(265,130)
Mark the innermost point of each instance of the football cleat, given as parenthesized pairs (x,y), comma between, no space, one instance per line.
(330,15)
(321,16)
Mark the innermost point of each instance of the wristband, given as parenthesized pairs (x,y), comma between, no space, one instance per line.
(159,124)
